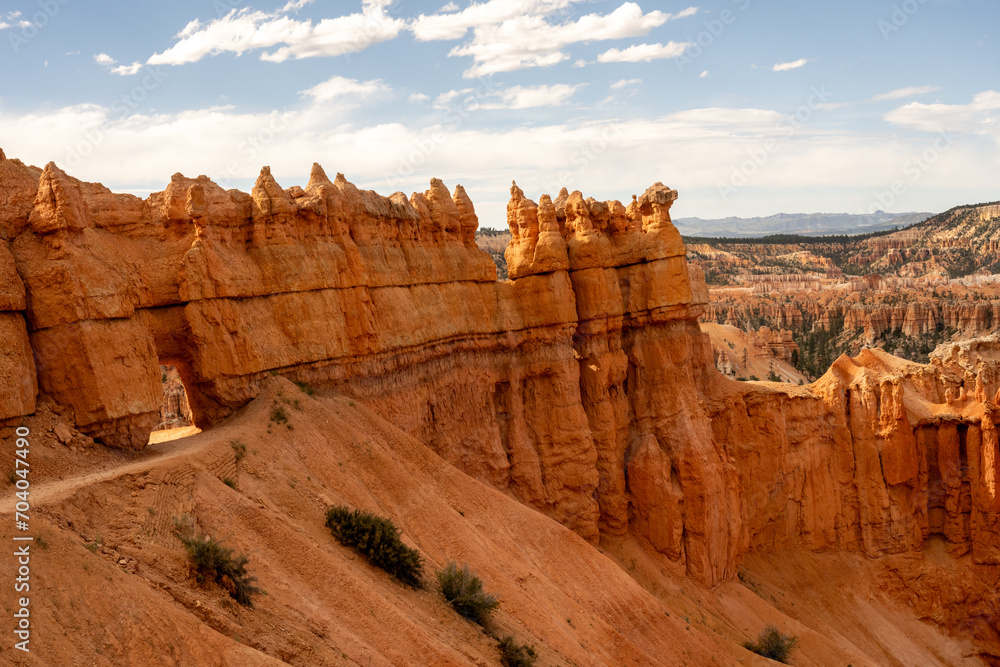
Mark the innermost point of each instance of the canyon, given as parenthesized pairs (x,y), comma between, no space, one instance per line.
(904,291)
(581,389)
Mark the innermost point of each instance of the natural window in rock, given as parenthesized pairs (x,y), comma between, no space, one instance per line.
(175,412)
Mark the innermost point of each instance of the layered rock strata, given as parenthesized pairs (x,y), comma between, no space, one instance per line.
(582,386)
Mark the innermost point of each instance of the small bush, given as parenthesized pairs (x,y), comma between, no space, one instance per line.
(96,545)
(239,449)
(464,591)
(377,539)
(230,482)
(771,643)
(214,561)
(278,415)
(306,389)
(513,654)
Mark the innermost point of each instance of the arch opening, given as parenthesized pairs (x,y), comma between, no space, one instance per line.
(176,418)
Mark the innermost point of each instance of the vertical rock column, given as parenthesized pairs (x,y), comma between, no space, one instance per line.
(984,471)
(678,474)
(551,427)
(93,352)
(18,384)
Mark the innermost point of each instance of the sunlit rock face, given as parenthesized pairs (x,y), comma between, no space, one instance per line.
(582,386)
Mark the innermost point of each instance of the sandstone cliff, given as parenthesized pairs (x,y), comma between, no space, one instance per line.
(582,387)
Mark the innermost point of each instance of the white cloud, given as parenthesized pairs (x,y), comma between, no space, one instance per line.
(515,97)
(508,35)
(531,41)
(339,87)
(5,18)
(451,24)
(903,93)
(644,53)
(419,98)
(981,116)
(526,97)
(445,100)
(127,70)
(9,20)
(795,64)
(703,74)
(245,30)
(295,5)
(104,59)
(625,83)
(691,150)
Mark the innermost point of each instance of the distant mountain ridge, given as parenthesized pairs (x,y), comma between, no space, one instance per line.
(808,224)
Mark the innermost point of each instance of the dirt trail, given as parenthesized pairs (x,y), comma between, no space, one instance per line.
(158,454)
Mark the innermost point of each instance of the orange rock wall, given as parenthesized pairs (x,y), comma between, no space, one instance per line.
(18,384)
(582,386)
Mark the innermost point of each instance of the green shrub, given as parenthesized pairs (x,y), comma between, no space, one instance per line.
(230,482)
(239,449)
(464,591)
(771,643)
(278,415)
(306,389)
(513,654)
(377,539)
(214,561)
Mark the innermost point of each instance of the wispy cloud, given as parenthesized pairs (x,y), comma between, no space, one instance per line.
(450,24)
(127,70)
(515,97)
(530,40)
(295,5)
(10,19)
(903,93)
(526,97)
(795,64)
(507,35)
(644,53)
(245,30)
(338,87)
(981,116)
(625,83)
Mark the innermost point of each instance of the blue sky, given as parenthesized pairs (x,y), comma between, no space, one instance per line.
(747,107)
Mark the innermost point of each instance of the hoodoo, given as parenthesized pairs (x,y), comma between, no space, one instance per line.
(582,386)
